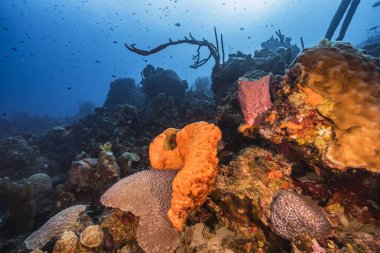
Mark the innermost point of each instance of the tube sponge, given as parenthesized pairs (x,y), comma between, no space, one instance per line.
(192,149)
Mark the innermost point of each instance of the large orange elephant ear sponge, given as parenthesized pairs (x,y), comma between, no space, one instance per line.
(196,146)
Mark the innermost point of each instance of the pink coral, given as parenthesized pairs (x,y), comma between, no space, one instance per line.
(254,99)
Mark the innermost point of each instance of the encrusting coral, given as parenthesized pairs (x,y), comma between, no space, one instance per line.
(92,236)
(293,215)
(193,150)
(67,243)
(147,194)
(55,226)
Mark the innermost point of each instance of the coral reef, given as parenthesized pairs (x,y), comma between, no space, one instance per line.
(243,193)
(20,206)
(55,226)
(158,80)
(293,215)
(147,194)
(19,158)
(123,91)
(119,229)
(92,236)
(67,243)
(88,179)
(328,106)
(42,192)
(192,149)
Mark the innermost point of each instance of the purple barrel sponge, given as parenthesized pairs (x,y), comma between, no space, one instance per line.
(294,215)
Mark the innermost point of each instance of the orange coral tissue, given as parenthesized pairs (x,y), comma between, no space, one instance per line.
(193,150)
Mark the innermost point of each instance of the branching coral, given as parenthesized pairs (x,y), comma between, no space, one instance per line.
(62,221)
(192,149)
(147,194)
(293,215)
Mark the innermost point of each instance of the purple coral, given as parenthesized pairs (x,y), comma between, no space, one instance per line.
(294,215)
(62,221)
(147,194)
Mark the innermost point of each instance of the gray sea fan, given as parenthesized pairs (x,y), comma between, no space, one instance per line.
(147,194)
(54,227)
(293,215)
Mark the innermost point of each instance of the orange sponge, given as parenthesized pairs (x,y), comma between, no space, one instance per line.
(194,152)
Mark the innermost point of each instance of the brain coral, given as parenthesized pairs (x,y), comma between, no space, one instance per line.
(350,81)
(293,215)
(147,194)
(59,223)
(192,149)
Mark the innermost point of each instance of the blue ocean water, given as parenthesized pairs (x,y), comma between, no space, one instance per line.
(55,55)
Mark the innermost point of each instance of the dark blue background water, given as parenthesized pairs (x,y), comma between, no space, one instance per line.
(56,55)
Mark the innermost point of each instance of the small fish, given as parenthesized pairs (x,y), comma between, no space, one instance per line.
(5,29)
(377,4)
(373,28)
(241,28)
(69,88)
(97,61)
(177,24)
(113,76)
(115,41)
(249,37)
(14,49)
(4,114)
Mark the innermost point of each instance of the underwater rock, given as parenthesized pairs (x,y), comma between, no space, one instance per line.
(123,91)
(197,107)
(89,177)
(55,226)
(156,81)
(19,158)
(294,215)
(20,207)
(193,150)
(328,104)
(67,243)
(92,236)
(119,229)
(204,240)
(243,192)
(126,160)
(161,107)
(147,194)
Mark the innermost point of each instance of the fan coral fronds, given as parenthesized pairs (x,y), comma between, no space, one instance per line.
(293,215)
(195,145)
(147,194)
(59,223)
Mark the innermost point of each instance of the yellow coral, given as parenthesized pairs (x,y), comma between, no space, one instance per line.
(67,243)
(92,236)
(194,152)
(351,80)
